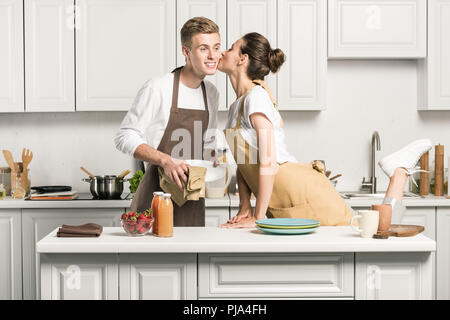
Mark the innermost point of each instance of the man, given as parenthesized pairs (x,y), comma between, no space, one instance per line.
(172,111)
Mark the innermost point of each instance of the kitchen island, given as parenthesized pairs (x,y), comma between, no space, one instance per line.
(213,263)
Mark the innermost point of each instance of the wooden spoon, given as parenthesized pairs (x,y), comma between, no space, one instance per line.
(27,156)
(123,174)
(87,172)
(336,176)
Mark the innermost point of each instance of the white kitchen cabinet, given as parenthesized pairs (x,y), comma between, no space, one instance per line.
(158,276)
(49,55)
(246,16)
(398,275)
(37,223)
(275,275)
(443,253)
(216,216)
(11,56)
(79,277)
(216,10)
(302,35)
(120,44)
(434,72)
(10,255)
(377,28)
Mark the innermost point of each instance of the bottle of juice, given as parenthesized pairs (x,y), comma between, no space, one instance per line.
(165,216)
(155,202)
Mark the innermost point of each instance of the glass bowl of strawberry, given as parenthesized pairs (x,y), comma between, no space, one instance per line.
(137,223)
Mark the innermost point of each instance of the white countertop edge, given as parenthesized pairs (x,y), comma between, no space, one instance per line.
(319,243)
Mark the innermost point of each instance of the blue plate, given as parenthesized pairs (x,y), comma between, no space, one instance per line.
(287,231)
(287,222)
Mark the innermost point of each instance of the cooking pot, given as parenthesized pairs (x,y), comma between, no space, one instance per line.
(106,187)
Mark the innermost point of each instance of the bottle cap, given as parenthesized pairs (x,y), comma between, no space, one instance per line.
(158,193)
(168,195)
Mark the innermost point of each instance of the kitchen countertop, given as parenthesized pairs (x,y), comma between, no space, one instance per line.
(227,201)
(9,202)
(216,240)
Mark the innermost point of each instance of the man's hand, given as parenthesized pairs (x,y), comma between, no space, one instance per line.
(176,170)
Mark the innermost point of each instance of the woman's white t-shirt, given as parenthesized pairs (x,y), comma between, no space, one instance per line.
(258,100)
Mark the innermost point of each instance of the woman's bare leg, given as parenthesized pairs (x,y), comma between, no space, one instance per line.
(397,184)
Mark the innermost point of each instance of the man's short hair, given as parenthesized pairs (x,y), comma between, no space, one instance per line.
(195,26)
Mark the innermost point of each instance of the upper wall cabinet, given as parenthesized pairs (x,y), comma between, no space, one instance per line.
(49,55)
(119,45)
(246,16)
(11,56)
(216,10)
(377,28)
(302,36)
(434,72)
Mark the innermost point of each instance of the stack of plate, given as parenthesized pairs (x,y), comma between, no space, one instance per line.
(287,225)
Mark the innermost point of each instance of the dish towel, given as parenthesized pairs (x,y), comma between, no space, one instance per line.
(84,230)
(194,189)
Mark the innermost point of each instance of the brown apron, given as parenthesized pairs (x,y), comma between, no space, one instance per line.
(192,213)
(299,190)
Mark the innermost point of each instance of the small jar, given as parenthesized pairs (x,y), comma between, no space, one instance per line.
(18,192)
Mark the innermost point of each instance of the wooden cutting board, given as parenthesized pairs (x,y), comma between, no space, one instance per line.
(399,230)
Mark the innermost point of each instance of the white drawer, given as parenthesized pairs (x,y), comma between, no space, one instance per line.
(276,275)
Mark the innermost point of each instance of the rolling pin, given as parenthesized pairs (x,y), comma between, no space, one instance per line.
(439,170)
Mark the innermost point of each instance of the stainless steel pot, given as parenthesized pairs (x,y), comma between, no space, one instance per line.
(106,187)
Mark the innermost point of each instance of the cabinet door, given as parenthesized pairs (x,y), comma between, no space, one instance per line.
(275,275)
(377,28)
(434,72)
(246,16)
(393,276)
(11,56)
(49,55)
(79,277)
(119,45)
(443,253)
(10,255)
(37,223)
(216,216)
(302,37)
(158,276)
(215,10)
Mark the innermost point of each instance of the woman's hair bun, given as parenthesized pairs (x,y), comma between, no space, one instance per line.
(276,59)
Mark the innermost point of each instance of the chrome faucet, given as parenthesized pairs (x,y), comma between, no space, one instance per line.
(372,183)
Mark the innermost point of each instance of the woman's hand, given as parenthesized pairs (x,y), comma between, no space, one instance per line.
(243,223)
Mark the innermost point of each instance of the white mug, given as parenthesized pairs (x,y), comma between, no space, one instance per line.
(368,223)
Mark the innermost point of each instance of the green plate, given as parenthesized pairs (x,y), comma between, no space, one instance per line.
(287,227)
(287,231)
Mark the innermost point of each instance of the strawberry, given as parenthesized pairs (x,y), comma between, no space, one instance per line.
(142,217)
(131,214)
(124,216)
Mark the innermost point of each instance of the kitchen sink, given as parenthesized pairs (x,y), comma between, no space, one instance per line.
(378,195)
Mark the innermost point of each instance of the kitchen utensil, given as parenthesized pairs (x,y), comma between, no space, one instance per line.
(49,189)
(424,180)
(368,223)
(27,156)
(287,222)
(335,177)
(287,231)
(384,214)
(439,170)
(18,192)
(87,172)
(399,230)
(106,187)
(217,178)
(9,159)
(327,173)
(124,173)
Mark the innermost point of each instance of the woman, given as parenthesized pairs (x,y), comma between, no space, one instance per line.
(284,188)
